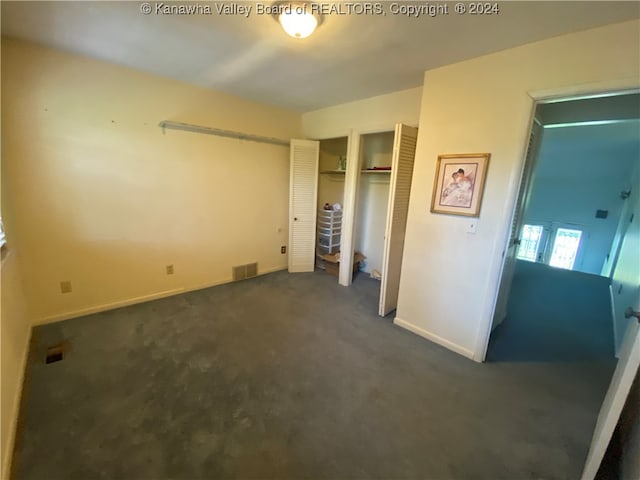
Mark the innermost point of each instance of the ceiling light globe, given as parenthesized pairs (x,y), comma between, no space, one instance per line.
(298,25)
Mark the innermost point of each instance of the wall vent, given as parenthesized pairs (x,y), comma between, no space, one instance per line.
(252,270)
(242,272)
(56,353)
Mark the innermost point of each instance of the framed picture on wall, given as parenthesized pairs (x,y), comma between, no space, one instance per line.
(459,183)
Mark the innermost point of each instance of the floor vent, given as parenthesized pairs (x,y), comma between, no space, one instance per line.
(242,272)
(55,353)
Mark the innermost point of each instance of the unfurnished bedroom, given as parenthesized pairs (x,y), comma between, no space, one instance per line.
(320,240)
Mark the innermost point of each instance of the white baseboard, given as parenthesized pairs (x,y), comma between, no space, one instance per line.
(228,280)
(141,299)
(273,269)
(106,306)
(7,455)
(9,447)
(434,338)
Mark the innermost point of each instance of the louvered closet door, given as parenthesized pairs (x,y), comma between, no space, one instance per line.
(303,192)
(508,269)
(404,150)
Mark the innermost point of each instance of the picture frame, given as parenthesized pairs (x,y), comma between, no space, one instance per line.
(459,183)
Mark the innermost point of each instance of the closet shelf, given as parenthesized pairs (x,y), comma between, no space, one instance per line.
(342,172)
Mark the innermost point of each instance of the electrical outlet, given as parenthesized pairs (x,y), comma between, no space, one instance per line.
(169,269)
(65,287)
(283,249)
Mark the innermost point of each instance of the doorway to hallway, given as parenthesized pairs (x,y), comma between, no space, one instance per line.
(571,218)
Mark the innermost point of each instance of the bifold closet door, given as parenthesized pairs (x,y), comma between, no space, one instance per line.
(404,150)
(303,198)
(517,224)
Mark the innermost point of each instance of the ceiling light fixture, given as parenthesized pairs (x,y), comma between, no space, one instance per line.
(298,19)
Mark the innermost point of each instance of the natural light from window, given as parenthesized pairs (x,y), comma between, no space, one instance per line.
(530,243)
(565,248)
(3,239)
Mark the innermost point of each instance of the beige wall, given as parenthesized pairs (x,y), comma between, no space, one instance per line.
(449,277)
(14,338)
(15,331)
(381,112)
(373,114)
(104,199)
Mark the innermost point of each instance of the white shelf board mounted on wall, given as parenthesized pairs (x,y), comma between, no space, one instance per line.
(187,127)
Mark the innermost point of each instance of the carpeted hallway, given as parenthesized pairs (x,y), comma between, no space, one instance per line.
(292,376)
(555,315)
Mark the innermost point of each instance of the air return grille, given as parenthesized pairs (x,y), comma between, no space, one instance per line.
(241,272)
(56,353)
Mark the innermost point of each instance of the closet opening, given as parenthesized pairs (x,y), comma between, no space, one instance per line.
(348,206)
(376,152)
(383,186)
(332,164)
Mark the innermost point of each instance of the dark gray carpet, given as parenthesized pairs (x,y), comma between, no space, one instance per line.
(555,315)
(292,376)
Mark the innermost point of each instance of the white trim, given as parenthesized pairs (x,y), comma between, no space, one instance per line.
(616,351)
(325,136)
(498,260)
(381,128)
(606,88)
(141,299)
(614,400)
(350,210)
(217,283)
(351,194)
(590,123)
(587,90)
(7,455)
(58,317)
(434,338)
(188,127)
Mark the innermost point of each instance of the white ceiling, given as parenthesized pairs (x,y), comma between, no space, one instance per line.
(348,58)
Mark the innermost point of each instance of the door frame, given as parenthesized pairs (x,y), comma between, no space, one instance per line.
(346,209)
(614,400)
(575,92)
(351,191)
(521,201)
(593,90)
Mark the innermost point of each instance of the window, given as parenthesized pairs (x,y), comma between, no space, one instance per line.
(565,248)
(530,243)
(3,239)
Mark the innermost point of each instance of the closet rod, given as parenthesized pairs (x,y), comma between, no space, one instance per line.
(187,127)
